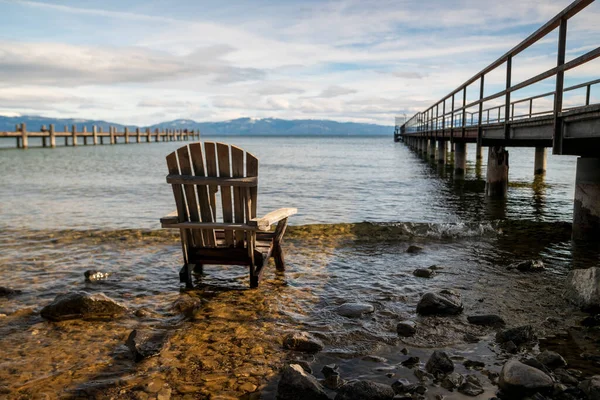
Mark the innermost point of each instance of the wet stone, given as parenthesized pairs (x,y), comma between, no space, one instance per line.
(591,321)
(529,266)
(8,292)
(583,288)
(412,249)
(406,328)
(551,359)
(302,341)
(145,343)
(296,384)
(439,363)
(331,373)
(423,375)
(452,381)
(534,362)
(410,362)
(520,379)
(354,310)
(445,302)
(401,386)
(519,335)
(374,359)
(486,320)
(76,305)
(424,273)
(91,275)
(591,387)
(565,377)
(470,364)
(471,387)
(365,390)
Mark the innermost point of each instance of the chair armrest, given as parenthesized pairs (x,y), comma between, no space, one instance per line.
(170,218)
(264,223)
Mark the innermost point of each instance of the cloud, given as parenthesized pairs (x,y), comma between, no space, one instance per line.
(335,91)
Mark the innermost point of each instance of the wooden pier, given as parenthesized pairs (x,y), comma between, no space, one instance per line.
(74,137)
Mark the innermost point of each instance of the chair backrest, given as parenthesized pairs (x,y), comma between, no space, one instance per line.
(201,170)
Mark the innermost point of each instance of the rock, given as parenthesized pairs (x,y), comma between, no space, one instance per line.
(401,386)
(565,377)
(519,335)
(424,273)
(365,390)
(304,364)
(533,362)
(374,359)
(423,375)
(91,275)
(406,328)
(520,379)
(296,384)
(453,381)
(551,359)
(486,320)
(302,341)
(354,310)
(591,321)
(529,266)
(583,288)
(439,363)
(414,249)
(470,364)
(471,387)
(591,387)
(410,362)
(186,305)
(164,394)
(446,302)
(331,373)
(146,343)
(510,347)
(82,305)
(248,387)
(435,267)
(8,292)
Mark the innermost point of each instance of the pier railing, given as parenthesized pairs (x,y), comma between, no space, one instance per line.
(96,136)
(437,118)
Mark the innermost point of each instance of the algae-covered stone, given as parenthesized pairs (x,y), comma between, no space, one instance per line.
(302,341)
(76,305)
(146,343)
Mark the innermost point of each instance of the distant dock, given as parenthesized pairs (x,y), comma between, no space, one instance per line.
(74,137)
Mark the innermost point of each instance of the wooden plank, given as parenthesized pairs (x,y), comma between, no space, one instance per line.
(237,171)
(252,170)
(206,213)
(264,223)
(179,202)
(225,172)
(227,226)
(211,170)
(202,180)
(185,167)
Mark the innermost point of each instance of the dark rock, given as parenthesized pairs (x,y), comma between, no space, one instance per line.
(551,359)
(435,267)
(445,302)
(519,335)
(354,310)
(91,275)
(364,390)
(82,305)
(439,363)
(470,364)
(414,249)
(423,375)
(565,377)
(591,321)
(406,328)
(529,266)
(510,347)
(331,373)
(296,384)
(424,273)
(519,379)
(591,387)
(453,381)
(410,362)
(303,363)
(404,351)
(8,292)
(302,341)
(486,320)
(401,386)
(186,305)
(470,338)
(471,387)
(583,288)
(535,363)
(145,343)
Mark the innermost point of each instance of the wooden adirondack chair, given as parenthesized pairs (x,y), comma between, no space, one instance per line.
(197,173)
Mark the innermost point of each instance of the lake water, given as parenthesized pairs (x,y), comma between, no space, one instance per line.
(362,201)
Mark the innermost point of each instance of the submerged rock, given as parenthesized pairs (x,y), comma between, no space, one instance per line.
(402,386)
(424,273)
(529,266)
(331,373)
(406,328)
(414,249)
(445,302)
(583,288)
(519,379)
(365,390)
(439,363)
(453,381)
(519,335)
(471,387)
(410,362)
(302,341)
(82,305)
(591,387)
(91,275)
(296,384)
(551,359)
(145,343)
(486,320)
(354,310)
(8,292)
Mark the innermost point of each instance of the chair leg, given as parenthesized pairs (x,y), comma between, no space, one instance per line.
(279,257)
(185,275)
(254,277)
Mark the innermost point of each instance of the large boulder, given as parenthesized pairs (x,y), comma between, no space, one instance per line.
(519,379)
(583,288)
(445,302)
(354,310)
(439,363)
(145,343)
(302,341)
(591,387)
(365,390)
(519,335)
(551,359)
(76,305)
(296,384)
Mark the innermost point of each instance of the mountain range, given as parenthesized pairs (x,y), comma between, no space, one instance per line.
(240,126)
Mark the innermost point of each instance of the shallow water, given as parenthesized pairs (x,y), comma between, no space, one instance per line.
(65,211)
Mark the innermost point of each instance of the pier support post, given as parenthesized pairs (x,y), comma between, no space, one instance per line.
(74,135)
(441,152)
(85,139)
(138,138)
(66,135)
(44,130)
(460,159)
(496,184)
(101,136)
(431,150)
(540,161)
(586,207)
(126,135)
(112,134)
(147,135)
(95,135)
(52,136)
(157,134)
(479,155)
(24,138)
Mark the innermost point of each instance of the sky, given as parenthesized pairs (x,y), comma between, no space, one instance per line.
(147,61)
